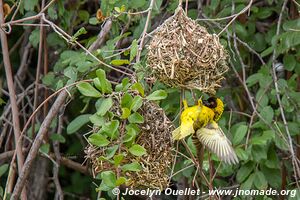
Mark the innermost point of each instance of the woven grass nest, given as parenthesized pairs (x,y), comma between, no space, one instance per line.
(155,137)
(183,54)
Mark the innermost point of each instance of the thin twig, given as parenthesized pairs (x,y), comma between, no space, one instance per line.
(12,96)
(101,36)
(138,56)
(294,162)
(16,11)
(36,145)
(234,18)
(68,38)
(20,20)
(59,192)
(47,6)
(38,69)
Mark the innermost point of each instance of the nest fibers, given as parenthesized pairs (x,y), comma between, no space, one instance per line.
(183,54)
(154,136)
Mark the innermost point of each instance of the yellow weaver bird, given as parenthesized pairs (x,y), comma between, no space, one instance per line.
(193,118)
(203,118)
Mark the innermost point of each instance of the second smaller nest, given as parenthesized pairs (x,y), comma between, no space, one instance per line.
(183,54)
(154,136)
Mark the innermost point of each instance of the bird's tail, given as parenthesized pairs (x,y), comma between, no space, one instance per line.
(199,149)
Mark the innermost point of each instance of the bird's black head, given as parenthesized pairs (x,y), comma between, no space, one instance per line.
(211,102)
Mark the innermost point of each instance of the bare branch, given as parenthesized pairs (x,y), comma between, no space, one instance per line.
(138,56)
(12,96)
(37,143)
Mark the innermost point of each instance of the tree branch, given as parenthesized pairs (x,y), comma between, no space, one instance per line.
(12,95)
(37,143)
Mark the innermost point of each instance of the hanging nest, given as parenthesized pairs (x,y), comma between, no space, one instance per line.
(183,54)
(154,136)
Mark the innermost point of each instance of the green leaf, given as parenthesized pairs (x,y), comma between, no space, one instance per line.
(98,140)
(97,120)
(77,123)
(45,148)
(52,12)
(117,9)
(110,152)
(57,137)
(244,172)
(241,153)
(247,185)
(125,113)
(104,83)
(130,135)
(272,161)
(136,118)
(126,101)
(137,4)
(103,187)
(2,102)
(120,181)
(264,13)
(240,134)
(109,178)
(137,150)
(157,95)
(273,176)
(71,73)
(291,24)
(120,62)
(118,159)
(286,40)
(214,4)
(123,86)
(136,103)
(105,105)
(54,40)
(289,62)
(84,66)
(59,84)
(267,113)
(81,31)
(34,38)
(253,79)
(84,15)
(264,138)
(111,128)
(88,90)
(259,152)
(30,5)
(139,88)
(133,49)
(267,51)
(94,21)
(135,167)
(261,97)
(49,79)
(3,169)
(241,30)
(260,181)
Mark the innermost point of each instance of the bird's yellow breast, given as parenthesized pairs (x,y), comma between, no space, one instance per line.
(201,116)
(190,113)
(205,116)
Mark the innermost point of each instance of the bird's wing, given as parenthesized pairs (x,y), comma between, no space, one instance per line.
(176,134)
(185,129)
(216,141)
